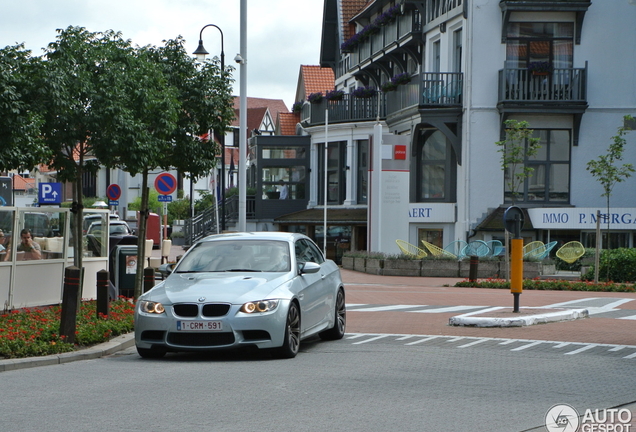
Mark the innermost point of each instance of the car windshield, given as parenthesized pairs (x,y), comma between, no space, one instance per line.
(113,229)
(243,255)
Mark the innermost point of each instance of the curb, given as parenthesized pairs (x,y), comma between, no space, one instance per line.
(104,349)
(527,320)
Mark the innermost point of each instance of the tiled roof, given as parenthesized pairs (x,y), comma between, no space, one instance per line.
(316,79)
(275,105)
(351,8)
(21,183)
(287,123)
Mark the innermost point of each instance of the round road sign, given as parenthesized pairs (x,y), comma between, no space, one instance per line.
(113,192)
(513,220)
(165,183)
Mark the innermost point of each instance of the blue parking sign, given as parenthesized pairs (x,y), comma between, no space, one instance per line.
(50,193)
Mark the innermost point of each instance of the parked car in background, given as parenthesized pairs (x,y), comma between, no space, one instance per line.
(267,289)
(96,217)
(115,228)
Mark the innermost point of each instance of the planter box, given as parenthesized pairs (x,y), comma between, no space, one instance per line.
(374,266)
(532,270)
(347,263)
(485,269)
(359,264)
(178,241)
(402,267)
(439,268)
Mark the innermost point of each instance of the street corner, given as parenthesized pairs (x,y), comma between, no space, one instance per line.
(505,317)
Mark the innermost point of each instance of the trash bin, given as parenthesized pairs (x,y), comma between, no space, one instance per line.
(125,269)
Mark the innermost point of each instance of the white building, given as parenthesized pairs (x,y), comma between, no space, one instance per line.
(429,169)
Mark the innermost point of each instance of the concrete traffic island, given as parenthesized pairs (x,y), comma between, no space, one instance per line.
(505,317)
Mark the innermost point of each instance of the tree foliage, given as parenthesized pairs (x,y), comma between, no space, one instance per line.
(515,149)
(20,120)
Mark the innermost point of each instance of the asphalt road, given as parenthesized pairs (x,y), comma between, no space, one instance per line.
(397,369)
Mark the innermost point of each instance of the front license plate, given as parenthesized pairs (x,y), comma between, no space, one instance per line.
(199,326)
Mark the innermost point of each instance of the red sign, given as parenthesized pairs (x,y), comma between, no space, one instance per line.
(399,152)
(113,192)
(165,183)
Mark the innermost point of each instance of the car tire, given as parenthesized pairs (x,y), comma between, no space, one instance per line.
(291,342)
(340,323)
(150,353)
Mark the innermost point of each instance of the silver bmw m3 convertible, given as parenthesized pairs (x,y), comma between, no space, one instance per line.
(265,289)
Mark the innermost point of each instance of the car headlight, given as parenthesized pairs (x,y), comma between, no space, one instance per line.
(151,307)
(259,306)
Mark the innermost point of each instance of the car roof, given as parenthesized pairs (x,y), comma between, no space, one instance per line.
(259,235)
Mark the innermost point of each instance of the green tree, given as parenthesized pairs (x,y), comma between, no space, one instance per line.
(80,98)
(515,149)
(173,101)
(607,171)
(20,119)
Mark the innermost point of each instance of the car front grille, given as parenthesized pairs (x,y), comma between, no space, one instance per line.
(249,335)
(200,339)
(191,310)
(153,335)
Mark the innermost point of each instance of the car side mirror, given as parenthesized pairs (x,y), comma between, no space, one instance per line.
(310,267)
(166,269)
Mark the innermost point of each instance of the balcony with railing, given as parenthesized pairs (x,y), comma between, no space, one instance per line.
(399,32)
(561,90)
(427,90)
(348,109)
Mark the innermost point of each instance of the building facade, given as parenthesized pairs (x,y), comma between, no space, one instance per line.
(428,86)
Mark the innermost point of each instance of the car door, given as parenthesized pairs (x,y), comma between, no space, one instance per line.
(313,294)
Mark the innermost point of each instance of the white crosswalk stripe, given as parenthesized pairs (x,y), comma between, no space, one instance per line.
(465,342)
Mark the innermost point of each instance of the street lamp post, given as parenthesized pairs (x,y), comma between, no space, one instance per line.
(200,52)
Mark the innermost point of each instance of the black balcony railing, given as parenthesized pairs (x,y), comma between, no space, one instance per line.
(347,109)
(559,85)
(428,89)
(402,27)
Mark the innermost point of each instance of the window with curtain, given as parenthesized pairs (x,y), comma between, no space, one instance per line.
(530,42)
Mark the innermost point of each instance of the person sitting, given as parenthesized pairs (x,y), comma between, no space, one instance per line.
(29,246)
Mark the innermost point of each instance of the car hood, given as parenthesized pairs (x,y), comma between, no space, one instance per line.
(224,287)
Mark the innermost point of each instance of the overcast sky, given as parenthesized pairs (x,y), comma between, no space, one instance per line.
(281,34)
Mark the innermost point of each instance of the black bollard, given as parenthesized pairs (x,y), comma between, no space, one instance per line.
(103,299)
(70,303)
(474,266)
(149,278)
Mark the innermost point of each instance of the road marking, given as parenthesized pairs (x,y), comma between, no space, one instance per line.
(561,345)
(631,317)
(521,348)
(423,340)
(386,308)
(585,348)
(478,341)
(474,341)
(370,340)
(447,309)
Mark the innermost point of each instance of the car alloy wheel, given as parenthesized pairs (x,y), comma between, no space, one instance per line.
(291,342)
(338,329)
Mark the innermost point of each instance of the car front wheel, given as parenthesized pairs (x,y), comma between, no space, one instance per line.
(291,342)
(338,329)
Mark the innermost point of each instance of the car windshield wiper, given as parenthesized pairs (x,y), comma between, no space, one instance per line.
(243,270)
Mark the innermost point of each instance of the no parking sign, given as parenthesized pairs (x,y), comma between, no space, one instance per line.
(165,184)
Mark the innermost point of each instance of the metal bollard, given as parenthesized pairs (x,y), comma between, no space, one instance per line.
(149,278)
(474,266)
(103,299)
(70,303)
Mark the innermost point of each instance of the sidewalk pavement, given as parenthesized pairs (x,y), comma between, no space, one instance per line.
(496,320)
